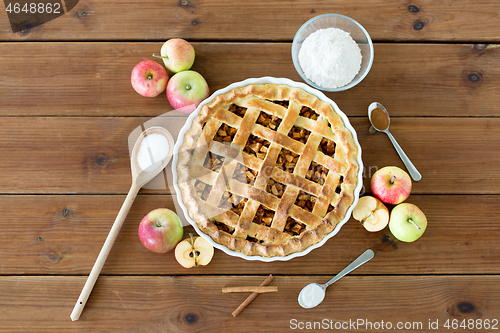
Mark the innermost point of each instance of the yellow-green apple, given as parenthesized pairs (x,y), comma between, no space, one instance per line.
(372,213)
(149,78)
(177,54)
(194,251)
(391,185)
(407,222)
(160,230)
(186,90)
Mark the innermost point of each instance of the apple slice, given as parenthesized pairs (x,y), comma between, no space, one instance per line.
(194,251)
(184,254)
(372,213)
(205,249)
(364,208)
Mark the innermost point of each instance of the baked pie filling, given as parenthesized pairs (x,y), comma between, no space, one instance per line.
(267,169)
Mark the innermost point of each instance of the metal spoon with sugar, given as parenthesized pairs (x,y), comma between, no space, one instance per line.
(313,294)
(139,179)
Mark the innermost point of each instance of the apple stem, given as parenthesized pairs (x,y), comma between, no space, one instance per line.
(188,87)
(159,56)
(158,224)
(193,251)
(412,222)
(393,179)
(150,77)
(366,218)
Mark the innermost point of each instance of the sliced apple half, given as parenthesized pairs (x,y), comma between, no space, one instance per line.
(371,213)
(194,251)
(184,254)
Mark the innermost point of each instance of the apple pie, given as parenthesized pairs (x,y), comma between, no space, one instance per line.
(267,169)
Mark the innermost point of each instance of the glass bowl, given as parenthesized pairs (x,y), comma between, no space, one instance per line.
(358,33)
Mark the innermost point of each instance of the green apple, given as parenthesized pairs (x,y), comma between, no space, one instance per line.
(407,222)
(178,55)
(186,90)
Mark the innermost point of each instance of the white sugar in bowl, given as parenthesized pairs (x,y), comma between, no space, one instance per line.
(339,67)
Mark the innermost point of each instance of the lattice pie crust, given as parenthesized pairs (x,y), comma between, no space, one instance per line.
(267,169)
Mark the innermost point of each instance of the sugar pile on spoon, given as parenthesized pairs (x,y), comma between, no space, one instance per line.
(311,295)
(153,150)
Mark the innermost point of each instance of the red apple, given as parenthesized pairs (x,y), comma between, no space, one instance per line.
(391,185)
(178,55)
(160,230)
(186,90)
(149,78)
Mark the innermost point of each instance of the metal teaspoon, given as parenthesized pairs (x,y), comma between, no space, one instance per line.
(411,168)
(307,302)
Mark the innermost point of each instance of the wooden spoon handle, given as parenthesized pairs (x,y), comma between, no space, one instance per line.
(103,255)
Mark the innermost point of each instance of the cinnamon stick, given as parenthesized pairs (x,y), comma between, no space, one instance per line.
(252,296)
(259,289)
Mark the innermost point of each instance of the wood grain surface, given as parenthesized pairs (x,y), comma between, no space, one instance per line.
(66,232)
(68,117)
(193,304)
(400,20)
(68,155)
(93,79)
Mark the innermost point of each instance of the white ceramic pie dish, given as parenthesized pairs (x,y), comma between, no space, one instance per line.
(261,80)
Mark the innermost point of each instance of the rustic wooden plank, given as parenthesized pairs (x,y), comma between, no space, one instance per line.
(196,304)
(63,235)
(456,20)
(78,79)
(91,155)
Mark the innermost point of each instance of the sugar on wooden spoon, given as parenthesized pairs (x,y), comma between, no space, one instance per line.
(151,153)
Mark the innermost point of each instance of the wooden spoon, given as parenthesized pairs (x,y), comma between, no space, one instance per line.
(139,179)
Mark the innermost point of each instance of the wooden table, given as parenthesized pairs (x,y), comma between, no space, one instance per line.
(67,109)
